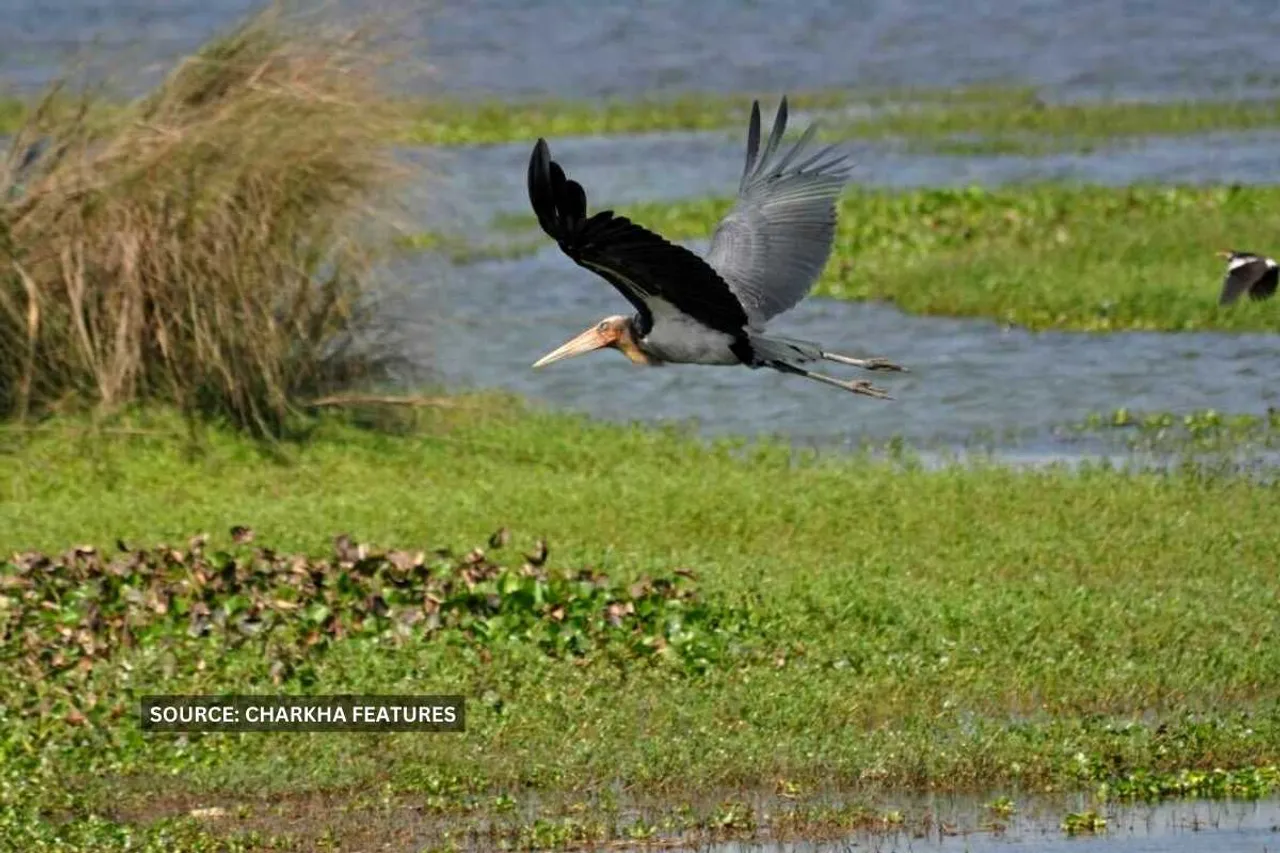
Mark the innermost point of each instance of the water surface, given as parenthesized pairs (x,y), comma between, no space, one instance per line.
(1177,827)
(1086,48)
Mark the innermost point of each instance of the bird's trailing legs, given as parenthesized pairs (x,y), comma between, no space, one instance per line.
(857,386)
(864,363)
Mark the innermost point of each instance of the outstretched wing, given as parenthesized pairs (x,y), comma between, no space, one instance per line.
(640,264)
(773,244)
(1251,273)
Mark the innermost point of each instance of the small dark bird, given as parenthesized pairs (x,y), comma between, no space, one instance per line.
(1248,272)
(765,256)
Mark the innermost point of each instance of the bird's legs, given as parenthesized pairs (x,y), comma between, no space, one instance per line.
(864,363)
(857,386)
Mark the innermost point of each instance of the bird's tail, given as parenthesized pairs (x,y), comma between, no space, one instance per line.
(772,348)
(786,355)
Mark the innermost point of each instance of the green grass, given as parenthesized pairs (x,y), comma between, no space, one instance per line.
(496,121)
(1042,256)
(871,626)
(1030,126)
(978,120)
(987,119)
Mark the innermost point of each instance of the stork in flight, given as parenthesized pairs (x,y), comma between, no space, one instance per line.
(764,258)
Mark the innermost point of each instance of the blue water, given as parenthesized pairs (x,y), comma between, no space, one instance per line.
(1176,827)
(1084,48)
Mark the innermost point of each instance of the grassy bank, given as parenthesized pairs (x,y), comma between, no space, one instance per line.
(979,120)
(1032,126)
(1042,256)
(976,120)
(843,623)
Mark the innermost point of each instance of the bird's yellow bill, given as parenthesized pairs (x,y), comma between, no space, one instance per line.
(588,341)
(1223,254)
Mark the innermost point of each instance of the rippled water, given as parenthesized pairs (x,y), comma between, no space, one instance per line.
(1083,48)
(967,376)
(473,184)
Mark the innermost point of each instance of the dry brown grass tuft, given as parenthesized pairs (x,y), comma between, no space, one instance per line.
(208,246)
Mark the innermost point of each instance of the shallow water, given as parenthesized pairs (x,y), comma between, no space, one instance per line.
(1179,827)
(475,183)
(497,318)
(1083,48)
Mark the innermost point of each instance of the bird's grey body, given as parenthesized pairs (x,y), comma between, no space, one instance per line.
(677,338)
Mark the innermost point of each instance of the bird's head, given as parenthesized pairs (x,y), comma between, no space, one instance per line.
(615,331)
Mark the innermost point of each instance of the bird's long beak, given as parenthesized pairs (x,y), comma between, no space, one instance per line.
(590,340)
(1224,253)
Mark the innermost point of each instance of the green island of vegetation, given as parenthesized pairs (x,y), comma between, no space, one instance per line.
(978,120)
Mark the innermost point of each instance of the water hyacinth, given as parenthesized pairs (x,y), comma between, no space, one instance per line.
(61,615)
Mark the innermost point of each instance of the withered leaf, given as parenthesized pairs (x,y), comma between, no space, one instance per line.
(241,534)
(539,555)
(500,538)
(405,560)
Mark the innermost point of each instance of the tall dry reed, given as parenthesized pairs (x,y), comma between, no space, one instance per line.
(207,245)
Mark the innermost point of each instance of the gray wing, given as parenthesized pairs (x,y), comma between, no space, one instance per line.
(773,244)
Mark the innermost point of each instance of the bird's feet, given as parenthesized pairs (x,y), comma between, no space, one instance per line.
(885,364)
(861,386)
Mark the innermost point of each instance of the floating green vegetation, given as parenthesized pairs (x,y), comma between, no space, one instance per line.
(978,120)
(1084,823)
(982,120)
(486,122)
(1002,807)
(1032,126)
(75,610)
(1205,430)
(1041,256)
(1247,784)
(975,629)
(460,250)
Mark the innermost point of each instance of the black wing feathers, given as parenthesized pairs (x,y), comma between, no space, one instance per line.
(639,263)
(1266,286)
(1255,277)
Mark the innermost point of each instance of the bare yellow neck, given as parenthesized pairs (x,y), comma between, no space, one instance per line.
(627,346)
